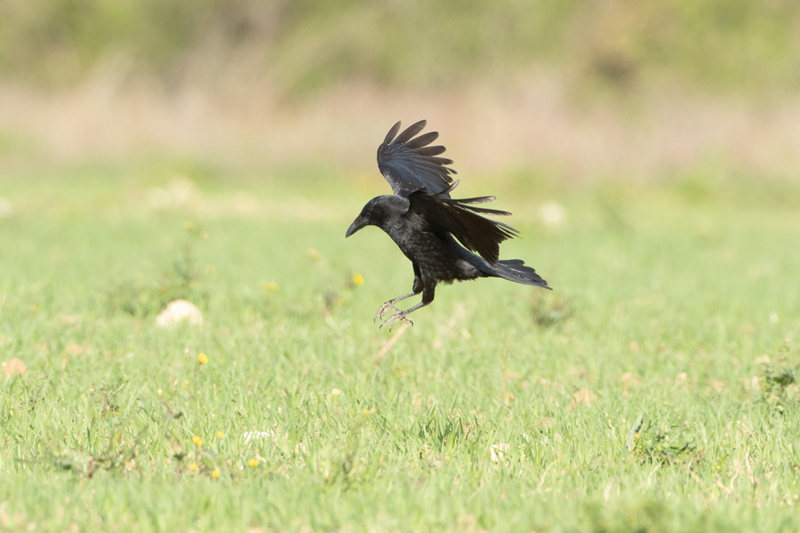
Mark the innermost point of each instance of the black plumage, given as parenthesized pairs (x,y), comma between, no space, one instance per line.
(437,233)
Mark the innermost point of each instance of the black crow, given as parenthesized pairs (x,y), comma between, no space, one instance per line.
(433,230)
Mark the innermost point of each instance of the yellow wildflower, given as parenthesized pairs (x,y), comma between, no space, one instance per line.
(313,254)
(271,286)
(358,280)
(197,440)
(193,467)
(220,434)
(335,392)
(215,474)
(188,225)
(254,462)
(202,358)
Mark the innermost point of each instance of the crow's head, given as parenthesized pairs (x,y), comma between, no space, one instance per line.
(379,211)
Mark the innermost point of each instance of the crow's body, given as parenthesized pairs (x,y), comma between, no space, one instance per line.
(434,231)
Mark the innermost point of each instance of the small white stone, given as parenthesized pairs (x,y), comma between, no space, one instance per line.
(552,214)
(6,209)
(179,311)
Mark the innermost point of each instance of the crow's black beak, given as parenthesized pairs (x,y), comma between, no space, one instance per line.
(355,226)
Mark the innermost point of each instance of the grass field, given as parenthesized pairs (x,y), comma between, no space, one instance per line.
(653,390)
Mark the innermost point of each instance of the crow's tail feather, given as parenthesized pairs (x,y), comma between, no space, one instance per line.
(515,270)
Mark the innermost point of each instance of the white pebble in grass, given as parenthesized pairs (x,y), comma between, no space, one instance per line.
(552,214)
(179,311)
(6,209)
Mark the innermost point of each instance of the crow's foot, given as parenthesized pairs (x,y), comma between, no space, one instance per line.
(385,307)
(395,318)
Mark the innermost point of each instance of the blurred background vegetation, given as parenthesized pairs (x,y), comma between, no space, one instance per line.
(586,88)
(305,45)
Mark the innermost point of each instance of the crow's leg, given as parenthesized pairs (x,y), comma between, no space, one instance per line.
(415,289)
(390,305)
(400,316)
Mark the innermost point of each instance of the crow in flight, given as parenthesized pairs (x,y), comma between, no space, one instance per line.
(433,230)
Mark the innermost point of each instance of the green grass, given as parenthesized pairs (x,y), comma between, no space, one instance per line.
(635,397)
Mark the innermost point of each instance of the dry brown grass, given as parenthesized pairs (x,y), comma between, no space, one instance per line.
(534,119)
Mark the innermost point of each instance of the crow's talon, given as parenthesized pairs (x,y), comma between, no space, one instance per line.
(394,319)
(385,307)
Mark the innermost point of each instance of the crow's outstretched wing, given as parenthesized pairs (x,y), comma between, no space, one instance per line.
(461,218)
(410,165)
